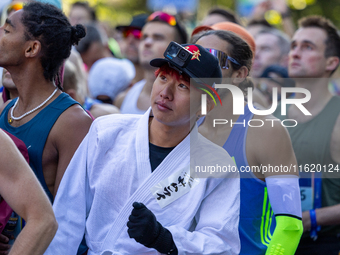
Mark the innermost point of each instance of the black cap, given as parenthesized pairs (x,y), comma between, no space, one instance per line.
(137,22)
(201,65)
(281,71)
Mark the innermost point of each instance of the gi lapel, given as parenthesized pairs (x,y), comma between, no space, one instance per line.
(178,156)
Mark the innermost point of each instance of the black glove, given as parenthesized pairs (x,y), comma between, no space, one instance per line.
(145,229)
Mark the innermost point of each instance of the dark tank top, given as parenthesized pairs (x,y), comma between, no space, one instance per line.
(35,132)
(311,142)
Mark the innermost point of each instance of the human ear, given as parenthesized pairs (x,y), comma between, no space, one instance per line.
(239,75)
(332,63)
(33,49)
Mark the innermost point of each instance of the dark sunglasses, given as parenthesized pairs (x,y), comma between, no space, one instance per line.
(171,20)
(223,58)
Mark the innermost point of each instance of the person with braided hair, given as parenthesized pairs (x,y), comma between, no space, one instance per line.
(34,43)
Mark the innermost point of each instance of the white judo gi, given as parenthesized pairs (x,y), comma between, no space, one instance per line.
(111,170)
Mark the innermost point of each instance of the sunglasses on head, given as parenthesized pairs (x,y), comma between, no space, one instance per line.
(15,7)
(223,58)
(163,16)
(133,31)
(11,7)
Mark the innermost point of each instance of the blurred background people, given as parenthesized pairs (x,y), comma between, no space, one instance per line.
(82,13)
(10,91)
(272,48)
(129,45)
(274,76)
(108,77)
(74,86)
(93,46)
(218,14)
(161,28)
(254,26)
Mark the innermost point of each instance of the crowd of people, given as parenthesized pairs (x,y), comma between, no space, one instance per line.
(148,139)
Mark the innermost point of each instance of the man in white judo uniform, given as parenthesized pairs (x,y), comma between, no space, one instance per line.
(132,188)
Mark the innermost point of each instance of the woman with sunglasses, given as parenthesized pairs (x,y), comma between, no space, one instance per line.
(265,213)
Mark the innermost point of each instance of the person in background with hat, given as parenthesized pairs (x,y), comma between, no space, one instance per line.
(130,188)
(96,55)
(132,35)
(76,88)
(227,26)
(258,97)
(160,29)
(108,77)
(268,221)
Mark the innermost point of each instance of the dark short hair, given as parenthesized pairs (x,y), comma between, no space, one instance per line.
(88,8)
(47,24)
(227,13)
(333,38)
(93,34)
(259,22)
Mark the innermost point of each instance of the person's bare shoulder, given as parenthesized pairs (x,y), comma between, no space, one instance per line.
(120,98)
(66,135)
(335,141)
(269,144)
(70,129)
(73,120)
(98,110)
(265,132)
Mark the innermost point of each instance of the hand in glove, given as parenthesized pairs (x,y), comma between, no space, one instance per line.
(145,229)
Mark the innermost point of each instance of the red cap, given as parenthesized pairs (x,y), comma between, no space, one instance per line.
(229,26)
